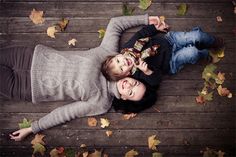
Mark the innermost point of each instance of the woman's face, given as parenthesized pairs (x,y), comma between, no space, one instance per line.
(131,89)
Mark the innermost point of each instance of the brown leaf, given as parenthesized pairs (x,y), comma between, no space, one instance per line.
(51,31)
(223,91)
(219,19)
(63,24)
(200,99)
(108,133)
(39,148)
(92,121)
(36,17)
(153,142)
(128,116)
(220,78)
(131,153)
(38,139)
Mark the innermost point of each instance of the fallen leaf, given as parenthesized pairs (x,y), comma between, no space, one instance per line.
(162,18)
(51,31)
(69,152)
(38,138)
(208,72)
(219,19)
(36,17)
(131,153)
(153,142)
(63,24)
(128,116)
(57,152)
(39,148)
(96,154)
(212,153)
(230,95)
(200,99)
(223,91)
(156,154)
(108,133)
(182,9)
(101,33)
(209,96)
(104,122)
(126,10)
(82,146)
(144,4)
(25,123)
(72,42)
(220,78)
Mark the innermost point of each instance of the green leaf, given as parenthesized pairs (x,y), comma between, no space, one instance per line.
(209,96)
(69,152)
(101,33)
(127,10)
(208,72)
(156,154)
(25,123)
(144,4)
(39,148)
(182,9)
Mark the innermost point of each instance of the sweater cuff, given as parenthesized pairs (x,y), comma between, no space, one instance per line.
(35,127)
(146,17)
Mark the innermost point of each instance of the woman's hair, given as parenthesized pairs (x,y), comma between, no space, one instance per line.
(128,106)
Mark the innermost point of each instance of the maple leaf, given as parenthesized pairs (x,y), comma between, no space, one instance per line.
(38,138)
(200,99)
(152,142)
(144,4)
(39,148)
(108,133)
(156,154)
(208,72)
(126,10)
(51,31)
(25,123)
(104,122)
(96,154)
(182,9)
(57,152)
(219,19)
(72,42)
(223,91)
(92,121)
(209,96)
(101,33)
(36,17)
(220,78)
(62,24)
(131,153)
(162,18)
(128,116)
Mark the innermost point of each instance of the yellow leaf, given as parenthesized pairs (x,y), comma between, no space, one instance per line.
(128,116)
(39,148)
(101,33)
(36,17)
(230,95)
(92,121)
(72,42)
(152,142)
(223,91)
(104,122)
(131,153)
(63,24)
(162,18)
(108,133)
(54,153)
(38,139)
(51,31)
(96,154)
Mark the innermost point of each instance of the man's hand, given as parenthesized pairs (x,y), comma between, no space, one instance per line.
(144,67)
(20,134)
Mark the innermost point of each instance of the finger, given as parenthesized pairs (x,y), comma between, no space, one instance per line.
(16,132)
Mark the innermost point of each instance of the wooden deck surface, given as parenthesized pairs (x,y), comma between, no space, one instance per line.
(183,127)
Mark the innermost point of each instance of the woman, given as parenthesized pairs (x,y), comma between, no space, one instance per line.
(45,74)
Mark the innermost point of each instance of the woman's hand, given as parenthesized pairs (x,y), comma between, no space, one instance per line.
(159,24)
(20,134)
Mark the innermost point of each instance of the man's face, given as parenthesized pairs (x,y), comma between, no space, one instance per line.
(131,89)
(121,65)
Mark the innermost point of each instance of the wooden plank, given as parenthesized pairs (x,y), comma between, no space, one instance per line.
(152,121)
(87,24)
(111,9)
(164,104)
(154,1)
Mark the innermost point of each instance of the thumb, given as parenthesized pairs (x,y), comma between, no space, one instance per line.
(16,132)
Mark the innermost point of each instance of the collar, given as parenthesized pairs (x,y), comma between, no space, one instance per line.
(112,88)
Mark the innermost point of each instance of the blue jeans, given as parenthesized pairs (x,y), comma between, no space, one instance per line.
(188,47)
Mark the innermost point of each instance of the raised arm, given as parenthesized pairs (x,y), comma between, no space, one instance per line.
(116,26)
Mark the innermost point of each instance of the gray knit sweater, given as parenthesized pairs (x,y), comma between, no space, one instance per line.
(75,75)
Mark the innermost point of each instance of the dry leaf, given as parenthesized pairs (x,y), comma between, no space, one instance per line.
(51,31)
(162,18)
(219,19)
(220,78)
(200,99)
(144,4)
(63,24)
(104,122)
(39,148)
(82,146)
(223,91)
(72,42)
(25,123)
(36,17)
(92,121)
(108,133)
(152,142)
(101,33)
(131,153)
(38,139)
(128,116)
(57,152)
(96,154)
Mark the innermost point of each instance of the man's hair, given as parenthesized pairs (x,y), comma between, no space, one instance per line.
(107,70)
(128,106)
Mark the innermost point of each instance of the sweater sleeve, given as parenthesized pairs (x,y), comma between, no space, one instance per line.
(146,31)
(68,112)
(116,26)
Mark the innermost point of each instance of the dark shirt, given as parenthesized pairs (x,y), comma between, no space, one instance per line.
(158,63)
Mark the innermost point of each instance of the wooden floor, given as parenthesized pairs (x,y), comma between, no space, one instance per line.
(183,127)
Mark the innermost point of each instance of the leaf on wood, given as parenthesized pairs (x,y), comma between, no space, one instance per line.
(83,146)
(162,18)
(212,153)
(57,152)
(128,116)
(153,142)
(101,33)
(182,9)
(92,121)
(220,78)
(38,138)
(69,152)
(144,4)
(36,17)
(104,122)
(109,133)
(131,153)
(25,123)
(219,19)
(223,91)
(62,24)
(209,96)
(208,72)
(39,148)
(156,154)
(96,154)
(126,10)
(72,42)
(200,99)
(51,31)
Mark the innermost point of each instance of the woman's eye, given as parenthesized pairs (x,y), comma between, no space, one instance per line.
(118,61)
(130,92)
(121,69)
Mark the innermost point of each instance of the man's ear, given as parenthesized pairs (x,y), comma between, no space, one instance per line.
(123,97)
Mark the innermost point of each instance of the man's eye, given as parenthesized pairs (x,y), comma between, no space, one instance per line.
(118,61)
(121,69)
